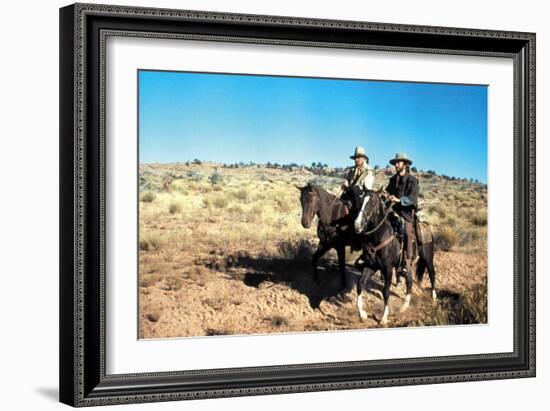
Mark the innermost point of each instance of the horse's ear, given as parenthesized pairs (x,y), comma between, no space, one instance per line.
(380,190)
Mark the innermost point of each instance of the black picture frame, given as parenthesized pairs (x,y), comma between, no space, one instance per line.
(83,381)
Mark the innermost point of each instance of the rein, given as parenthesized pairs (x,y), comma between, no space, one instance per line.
(381,222)
(317,198)
(374,249)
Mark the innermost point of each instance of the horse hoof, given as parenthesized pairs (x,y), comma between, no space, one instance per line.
(406,304)
(337,299)
(384,320)
(346,298)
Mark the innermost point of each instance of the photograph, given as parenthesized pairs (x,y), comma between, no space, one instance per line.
(262,203)
(283,204)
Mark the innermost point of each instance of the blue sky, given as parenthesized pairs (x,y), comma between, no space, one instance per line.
(231,118)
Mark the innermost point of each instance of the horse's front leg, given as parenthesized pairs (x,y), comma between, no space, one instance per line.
(321,251)
(409,280)
(362,285)
(387,274)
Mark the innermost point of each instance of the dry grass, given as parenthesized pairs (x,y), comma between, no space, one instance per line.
(216,201)
(199,274)
(242,195)
(299,250)
(151,241)
(179,186)
(175,208)
(216,206)
(480,218)
(148,197)
(445,238)
(278,321)
(469,308)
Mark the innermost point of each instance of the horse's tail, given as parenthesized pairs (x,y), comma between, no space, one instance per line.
(426,252)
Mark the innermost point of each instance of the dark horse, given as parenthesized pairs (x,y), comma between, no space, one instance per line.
(334,228)
(382,251)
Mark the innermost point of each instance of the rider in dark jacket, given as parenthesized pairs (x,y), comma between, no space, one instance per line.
(403,191)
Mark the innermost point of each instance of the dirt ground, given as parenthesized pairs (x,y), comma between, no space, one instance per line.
(255,296)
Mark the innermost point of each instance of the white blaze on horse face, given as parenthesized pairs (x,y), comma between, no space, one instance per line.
(362,313)
(359,220)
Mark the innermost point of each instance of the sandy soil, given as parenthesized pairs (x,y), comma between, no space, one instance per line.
(245,294)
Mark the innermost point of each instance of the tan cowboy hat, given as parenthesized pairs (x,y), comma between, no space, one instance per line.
(401,157)
(359,152)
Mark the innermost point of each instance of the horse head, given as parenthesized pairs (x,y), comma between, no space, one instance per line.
(371,210)
(309,200)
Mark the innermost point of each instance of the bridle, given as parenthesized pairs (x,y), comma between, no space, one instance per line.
(313,194)
(370,248)
(367,218)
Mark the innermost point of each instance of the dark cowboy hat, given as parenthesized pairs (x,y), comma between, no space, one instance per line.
(359,152)
(400,157)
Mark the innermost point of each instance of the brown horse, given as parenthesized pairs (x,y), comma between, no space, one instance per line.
(334,228)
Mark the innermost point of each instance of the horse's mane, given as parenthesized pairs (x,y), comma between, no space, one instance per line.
(321,192)
(381,208)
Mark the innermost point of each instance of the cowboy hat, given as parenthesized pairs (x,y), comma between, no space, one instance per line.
(400,157)
(359,152)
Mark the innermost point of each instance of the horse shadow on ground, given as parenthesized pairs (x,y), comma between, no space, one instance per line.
(298,275)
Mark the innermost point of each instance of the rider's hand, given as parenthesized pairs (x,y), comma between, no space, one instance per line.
(345,184)
(394,199)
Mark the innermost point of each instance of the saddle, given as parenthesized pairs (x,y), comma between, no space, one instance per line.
(421,230)
(342,215)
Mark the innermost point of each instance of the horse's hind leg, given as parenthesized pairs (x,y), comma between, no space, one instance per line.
(428,258)
(431,272)
(362,286)
(321,251)
(420,269)
(341,252)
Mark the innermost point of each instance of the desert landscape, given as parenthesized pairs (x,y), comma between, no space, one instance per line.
(222,251)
